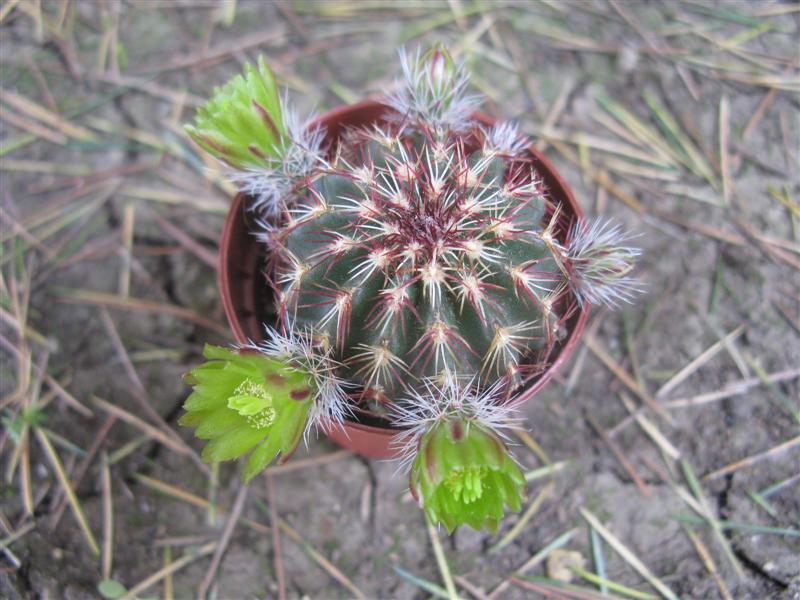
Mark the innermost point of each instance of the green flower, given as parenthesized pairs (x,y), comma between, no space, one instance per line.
(245,400)
(463,474)
(242,124)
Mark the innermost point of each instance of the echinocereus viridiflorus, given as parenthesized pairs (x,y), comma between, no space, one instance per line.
(423,264)
(262,398)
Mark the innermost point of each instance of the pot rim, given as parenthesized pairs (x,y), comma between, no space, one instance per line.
(564,349)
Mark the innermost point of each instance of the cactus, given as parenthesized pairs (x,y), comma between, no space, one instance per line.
(425,260)
(416,259)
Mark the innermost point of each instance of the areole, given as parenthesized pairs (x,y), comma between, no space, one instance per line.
(246,299)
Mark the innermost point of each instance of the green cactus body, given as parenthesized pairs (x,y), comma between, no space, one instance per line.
(415,258)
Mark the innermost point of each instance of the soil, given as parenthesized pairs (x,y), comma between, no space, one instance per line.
(355,512)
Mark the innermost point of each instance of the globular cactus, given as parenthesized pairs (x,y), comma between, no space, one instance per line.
(425,254)
(423,263)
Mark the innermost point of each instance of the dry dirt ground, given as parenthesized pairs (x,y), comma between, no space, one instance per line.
(678,119)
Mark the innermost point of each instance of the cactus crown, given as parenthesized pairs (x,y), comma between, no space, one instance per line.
(424,258)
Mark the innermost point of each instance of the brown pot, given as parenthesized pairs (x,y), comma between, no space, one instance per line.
(248,307)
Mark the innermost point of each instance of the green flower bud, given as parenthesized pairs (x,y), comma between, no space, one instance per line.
(242,124)
(463,474)
(442,70)
(245,401)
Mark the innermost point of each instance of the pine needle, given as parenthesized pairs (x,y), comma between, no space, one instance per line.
(524,519)
(168,570)
(536,559)
(441,560)
(628,555)
(77,511)
(706,512)
(108,518)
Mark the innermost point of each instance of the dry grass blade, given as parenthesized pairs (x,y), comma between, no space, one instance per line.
(7,8)
(730,347)
(32,240)
(620,373)
(627,555)
(43,115)
(535,560)
(108,519)
(323,562)
(149,87)
(564,38)
(650,429)
(625,168)
(21,532)
(183,540)
(724,147)
(702,507)
(441,561)
(169,592)
(612,585)
(546,470)
(25,471)
(473,589)
(189,498)
(195,500)
(52,222)
(140,304)
(784,312)
(647,136)
(68,398)
(734,388)
(691,156)
(128,226)
(524,519)
(143,426)
(750,460)
(277,551)
(783,197)
(83,468)
(35,129)
(551,588)
(531,443)
(204,204)
(705,556)
(762,108)
(599,143)
(599,559)
(771,246)
(746,527)
(620,456)
(788,83)
(705,229)
(217,53)
(436,591)
(153,579)
(139,393)
(555,111)
(698,362)
(55,462)
(303,463)
(205,255)
(619,130)
(224,540)
(776,395)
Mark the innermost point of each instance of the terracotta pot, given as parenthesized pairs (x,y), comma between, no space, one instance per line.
(247,300)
